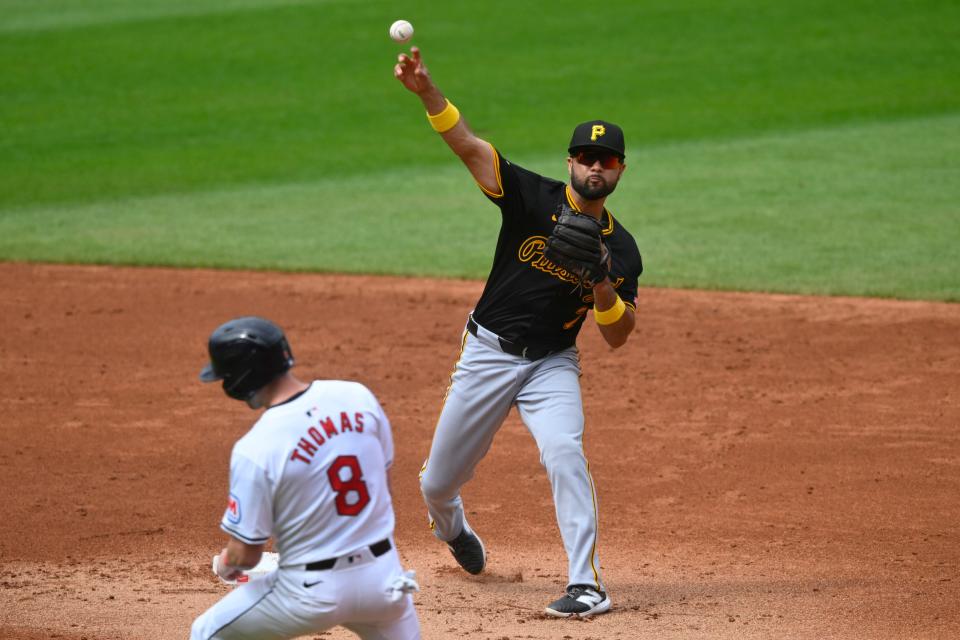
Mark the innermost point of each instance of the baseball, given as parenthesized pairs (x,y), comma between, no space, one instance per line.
(401,31)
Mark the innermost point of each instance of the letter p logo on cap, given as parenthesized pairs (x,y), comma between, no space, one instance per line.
(597,133)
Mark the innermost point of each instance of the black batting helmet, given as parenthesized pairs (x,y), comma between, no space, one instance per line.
(247,354)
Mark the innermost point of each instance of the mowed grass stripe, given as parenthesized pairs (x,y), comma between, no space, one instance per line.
(867,209)
(304,91)
(870,209)
(40,15)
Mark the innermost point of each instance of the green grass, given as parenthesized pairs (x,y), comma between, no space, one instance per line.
(830,211)
(803,146)
(862,209)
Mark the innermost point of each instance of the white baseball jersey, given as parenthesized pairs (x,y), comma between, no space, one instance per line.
(310,474)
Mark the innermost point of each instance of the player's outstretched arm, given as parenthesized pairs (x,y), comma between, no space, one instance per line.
(477,154)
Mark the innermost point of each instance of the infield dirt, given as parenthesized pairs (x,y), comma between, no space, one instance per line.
(768,466)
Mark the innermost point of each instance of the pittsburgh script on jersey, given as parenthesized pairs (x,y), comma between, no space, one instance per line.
(317,436)
(532,251)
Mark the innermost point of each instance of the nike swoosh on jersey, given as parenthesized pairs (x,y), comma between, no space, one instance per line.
(311,584)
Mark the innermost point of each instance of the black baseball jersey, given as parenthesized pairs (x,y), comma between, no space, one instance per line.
(529,299)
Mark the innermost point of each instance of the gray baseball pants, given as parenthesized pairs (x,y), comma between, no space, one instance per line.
(546,392)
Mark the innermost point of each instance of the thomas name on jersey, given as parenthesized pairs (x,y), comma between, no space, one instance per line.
(317,436)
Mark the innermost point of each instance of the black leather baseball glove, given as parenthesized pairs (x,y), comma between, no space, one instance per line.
(576,245)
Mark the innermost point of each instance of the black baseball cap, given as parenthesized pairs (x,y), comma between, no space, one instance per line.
(598,133)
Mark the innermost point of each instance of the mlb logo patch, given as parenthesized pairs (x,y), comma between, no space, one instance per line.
(233,509)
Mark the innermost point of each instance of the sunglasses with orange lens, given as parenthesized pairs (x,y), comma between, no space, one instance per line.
(607,160)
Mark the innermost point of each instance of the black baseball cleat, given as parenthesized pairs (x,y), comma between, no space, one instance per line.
(580,601)
(468,551)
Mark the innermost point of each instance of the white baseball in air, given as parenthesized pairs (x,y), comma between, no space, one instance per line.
(401,31)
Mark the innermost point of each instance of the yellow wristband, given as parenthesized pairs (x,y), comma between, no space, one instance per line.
(446,119)
(612,314)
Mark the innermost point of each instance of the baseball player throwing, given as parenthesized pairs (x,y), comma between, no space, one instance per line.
(312,474)
(559,254)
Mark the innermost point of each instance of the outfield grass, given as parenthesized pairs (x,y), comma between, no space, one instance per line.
(804,146)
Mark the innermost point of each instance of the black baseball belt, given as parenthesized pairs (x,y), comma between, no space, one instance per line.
(513,348)
(377,549)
